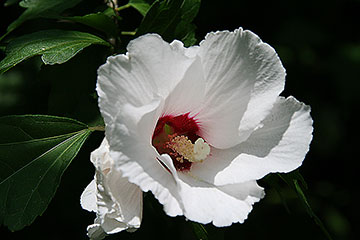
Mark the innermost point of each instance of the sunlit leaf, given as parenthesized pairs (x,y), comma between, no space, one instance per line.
(55,46)
(35,150)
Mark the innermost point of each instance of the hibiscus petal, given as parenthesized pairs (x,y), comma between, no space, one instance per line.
(116,76)
(163,64)
(128,197)
(95,232)
(136,158)
(179,102)
(280,145)
(204,202)
(151,176)
(116,201)
(88,197)
(244,76)
(189,51)
(150,68)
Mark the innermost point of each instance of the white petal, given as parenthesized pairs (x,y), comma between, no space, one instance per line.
(118,84)
(279,146)
(151,68)
(204,202)
(136,158)
(100,157)
(244,76)
(128,197)
(117,202)
(150,175)
(163,64)
(88,197)
(189,52)
(95,232)
(136,122)
(222,206)
(188,95)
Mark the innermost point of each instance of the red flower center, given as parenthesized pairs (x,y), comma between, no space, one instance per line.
(171,128)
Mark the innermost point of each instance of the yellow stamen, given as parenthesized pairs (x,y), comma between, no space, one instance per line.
(192,152)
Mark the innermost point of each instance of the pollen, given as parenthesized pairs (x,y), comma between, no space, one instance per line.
(187,150)
(178,136)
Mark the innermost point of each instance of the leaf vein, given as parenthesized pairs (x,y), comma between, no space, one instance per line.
(41,179)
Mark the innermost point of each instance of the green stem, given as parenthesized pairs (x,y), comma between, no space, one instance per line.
(128,33)
(122,7)
(97,128)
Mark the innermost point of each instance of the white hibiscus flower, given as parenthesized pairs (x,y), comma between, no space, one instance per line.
(198,126)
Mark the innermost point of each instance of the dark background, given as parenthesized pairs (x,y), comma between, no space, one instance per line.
(319,44)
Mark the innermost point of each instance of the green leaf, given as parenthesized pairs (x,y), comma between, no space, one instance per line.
(99,21)
(172,20)
(55,46)
(41,8)
(273,181)
(309,210)
(110,12)
(142,6)
(291,176)
(293,179)
(35,150)
(199,231)
(186,32)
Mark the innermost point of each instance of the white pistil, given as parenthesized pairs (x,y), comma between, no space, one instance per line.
(192,152)
(201,149)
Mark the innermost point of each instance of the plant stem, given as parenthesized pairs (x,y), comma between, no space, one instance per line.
(97,128)
(128,33)
(122,7)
